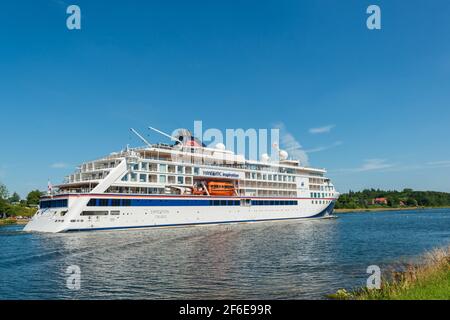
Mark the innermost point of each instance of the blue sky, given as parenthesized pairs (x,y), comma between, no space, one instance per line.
(373,107)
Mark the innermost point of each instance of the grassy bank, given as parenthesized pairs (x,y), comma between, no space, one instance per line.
(9,221)
(428,280)
(376,209)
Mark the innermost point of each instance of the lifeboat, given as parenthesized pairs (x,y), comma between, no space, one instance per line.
(198,192)
(219,188)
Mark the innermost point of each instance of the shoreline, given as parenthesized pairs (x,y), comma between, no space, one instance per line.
(427,279)
(12,222)
(386,209)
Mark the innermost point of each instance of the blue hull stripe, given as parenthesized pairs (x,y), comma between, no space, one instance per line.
(323,213)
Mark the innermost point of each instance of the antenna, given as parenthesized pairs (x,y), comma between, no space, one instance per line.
(140,137)
(165,134)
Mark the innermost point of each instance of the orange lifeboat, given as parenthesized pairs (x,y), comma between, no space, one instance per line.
(198,192)
(218,188)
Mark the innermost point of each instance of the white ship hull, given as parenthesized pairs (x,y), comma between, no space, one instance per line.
(116,218)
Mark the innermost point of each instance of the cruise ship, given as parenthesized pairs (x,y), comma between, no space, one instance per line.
(183,183)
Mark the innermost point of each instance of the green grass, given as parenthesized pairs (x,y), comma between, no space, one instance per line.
(437,287)
(429,280)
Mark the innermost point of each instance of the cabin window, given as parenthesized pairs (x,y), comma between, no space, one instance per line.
(162,179)
(180,169)
(162,168)
(180,180)
(94,213)
(144,166)
(142,178)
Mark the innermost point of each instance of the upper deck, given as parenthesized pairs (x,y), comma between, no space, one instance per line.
(179,169)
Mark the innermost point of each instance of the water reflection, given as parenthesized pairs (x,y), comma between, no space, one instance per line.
(283,260)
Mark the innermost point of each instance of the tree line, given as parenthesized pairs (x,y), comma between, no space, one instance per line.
(394,199)
(13,206)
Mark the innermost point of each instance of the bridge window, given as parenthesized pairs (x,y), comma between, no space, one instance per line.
(44,204)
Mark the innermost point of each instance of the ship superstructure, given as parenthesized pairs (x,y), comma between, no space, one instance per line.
(185,183)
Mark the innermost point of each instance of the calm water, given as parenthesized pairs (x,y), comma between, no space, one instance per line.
(284,260)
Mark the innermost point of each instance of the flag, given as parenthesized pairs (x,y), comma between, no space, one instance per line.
(49,187)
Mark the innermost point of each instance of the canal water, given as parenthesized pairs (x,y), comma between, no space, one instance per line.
(276,260)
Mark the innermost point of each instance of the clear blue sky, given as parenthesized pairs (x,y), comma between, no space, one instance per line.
(70,96)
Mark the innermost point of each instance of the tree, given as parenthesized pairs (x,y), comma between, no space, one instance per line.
(3,191)
(14,198)
(33,197)
(3,208)
(411,202)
